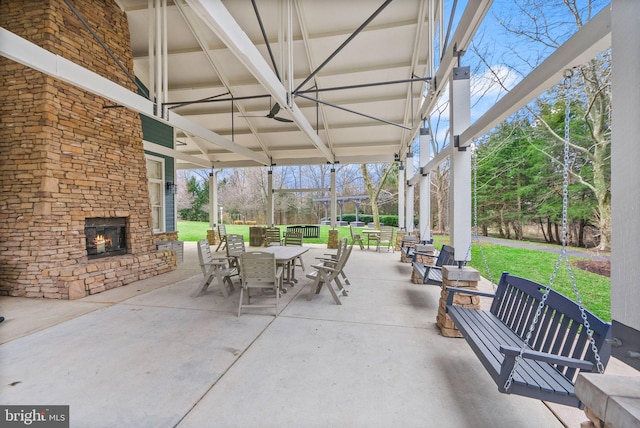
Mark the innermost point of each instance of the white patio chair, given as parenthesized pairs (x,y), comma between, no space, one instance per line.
(258,271)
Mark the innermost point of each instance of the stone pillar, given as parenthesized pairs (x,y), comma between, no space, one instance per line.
(333,239)
(213,237)
(453,276)
(399,237)
(426,249)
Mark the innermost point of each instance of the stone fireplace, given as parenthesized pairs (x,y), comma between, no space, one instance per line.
(105,237)
(55,139)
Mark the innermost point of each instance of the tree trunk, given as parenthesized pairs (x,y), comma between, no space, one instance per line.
(544,234)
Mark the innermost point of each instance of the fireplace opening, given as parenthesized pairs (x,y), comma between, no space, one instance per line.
(105,236)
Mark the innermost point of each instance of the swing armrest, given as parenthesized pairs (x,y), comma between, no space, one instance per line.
(510,353)
(453,290)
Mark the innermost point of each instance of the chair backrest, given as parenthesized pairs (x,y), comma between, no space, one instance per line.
(258,266)
(222,230)
(516,302)
(293,238)
(446,256)
(235,245)
(272,234)
(352,232)
(344,257)
(386,233)
(204,255)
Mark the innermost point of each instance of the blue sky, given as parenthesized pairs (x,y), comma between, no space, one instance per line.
(508,55)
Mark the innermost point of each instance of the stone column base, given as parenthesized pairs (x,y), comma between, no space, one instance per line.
(333,240)
(452,276)
(213,237)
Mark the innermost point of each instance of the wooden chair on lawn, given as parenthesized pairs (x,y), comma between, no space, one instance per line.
(386,238)
(214,268)
(258,270)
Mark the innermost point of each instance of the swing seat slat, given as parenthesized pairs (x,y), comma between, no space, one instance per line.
(560,349)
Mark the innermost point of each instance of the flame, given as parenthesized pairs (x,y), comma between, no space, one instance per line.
(101,240)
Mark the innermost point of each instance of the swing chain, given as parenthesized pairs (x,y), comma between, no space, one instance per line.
(568,74)
(475,236)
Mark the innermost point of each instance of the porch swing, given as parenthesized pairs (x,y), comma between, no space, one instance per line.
(534,341)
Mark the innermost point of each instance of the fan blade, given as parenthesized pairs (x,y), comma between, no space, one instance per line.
(282,119)
(274,110)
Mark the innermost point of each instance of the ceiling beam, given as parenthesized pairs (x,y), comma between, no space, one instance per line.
(31,55)
(471,18)
(590,40)
(221,22)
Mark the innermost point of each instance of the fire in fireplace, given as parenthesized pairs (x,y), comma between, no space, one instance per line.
(105,236)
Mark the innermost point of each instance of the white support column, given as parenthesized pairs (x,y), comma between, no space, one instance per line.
(425,185)
(401,190)
(410,191)
(625,158)
(334,204)
(270,198)
(460,171)
(213,200)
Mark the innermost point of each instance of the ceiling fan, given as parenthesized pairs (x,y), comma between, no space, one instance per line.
(272,114)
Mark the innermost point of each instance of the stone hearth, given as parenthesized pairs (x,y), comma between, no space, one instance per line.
(65,158)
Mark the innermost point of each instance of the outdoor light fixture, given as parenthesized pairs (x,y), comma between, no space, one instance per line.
(172,188)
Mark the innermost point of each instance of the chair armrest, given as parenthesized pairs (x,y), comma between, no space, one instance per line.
(510,353)
(324,267)
(453,290)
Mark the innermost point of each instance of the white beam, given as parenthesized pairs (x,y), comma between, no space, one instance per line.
(166,151)
(435,161)
(31,55)
(625,158)
(334,204)
(213,200)
(460,170)
(594,37)
(221,22)
(465,30)
(401,193)
(270,198)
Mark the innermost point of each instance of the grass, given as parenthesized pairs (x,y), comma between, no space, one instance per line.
(195,230)
(536,265)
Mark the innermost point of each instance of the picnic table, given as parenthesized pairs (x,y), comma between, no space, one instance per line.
(370,232)
(286,256)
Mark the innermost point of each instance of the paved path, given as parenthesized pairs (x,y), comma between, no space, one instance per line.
(572,251)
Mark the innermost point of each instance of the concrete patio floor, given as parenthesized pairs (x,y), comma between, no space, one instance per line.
(150,355)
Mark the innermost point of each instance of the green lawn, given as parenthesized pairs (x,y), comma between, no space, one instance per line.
(536,265)
(194,231)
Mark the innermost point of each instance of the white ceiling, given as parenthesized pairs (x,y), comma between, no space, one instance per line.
(207,58)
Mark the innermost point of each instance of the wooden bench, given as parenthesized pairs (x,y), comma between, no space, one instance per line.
(432,274)
(306,231)
(559,347)
(408,245)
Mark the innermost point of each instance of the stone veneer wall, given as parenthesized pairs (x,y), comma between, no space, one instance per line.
(64,158)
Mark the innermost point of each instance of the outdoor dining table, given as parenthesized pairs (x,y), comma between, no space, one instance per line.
(286,256)
(370,232)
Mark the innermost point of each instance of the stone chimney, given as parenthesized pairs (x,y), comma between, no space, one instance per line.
(64,158)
